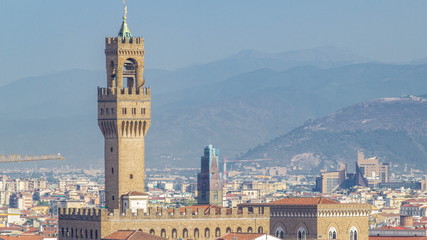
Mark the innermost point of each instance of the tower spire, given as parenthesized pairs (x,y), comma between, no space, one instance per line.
(124,29)
(125,10)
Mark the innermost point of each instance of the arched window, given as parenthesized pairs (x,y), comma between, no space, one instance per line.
(354,234)
(185,233)
(91,234)
(239,229)
(86,235)
(72,232)
(96,234)
(332,233)
(196,233)
(249,230)
(280,233)
(174,235)
(302,234)
(163,233)
(217,232)
(62,232)
(129,72)
(260,230)
(228,230)
(207,233)
(152,231)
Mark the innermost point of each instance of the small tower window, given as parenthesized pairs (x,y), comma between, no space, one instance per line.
(102,111)
(131,176)
(134,111)
(111,149)
(142,110)
(112,170)
(123,110)
(112,110)
(112,198)
(107,111)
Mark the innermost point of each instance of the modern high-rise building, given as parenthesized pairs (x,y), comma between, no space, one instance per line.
(331,181)
(209,180)
(372,170)
(124,116)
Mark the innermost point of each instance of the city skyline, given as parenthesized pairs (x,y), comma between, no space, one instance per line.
(269,192)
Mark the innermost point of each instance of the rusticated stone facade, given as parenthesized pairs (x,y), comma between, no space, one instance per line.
(124,116)
(318,218)
(189,223)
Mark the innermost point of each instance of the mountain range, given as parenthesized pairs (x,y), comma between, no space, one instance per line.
(393,129)
(235,103)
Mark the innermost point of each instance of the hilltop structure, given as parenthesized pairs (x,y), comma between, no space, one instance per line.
(209,180)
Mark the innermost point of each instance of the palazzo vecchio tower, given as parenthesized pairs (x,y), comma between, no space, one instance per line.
(124,116)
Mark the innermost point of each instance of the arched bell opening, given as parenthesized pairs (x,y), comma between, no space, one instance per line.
(129,72)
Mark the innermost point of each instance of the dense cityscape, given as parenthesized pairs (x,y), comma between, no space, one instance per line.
(30,205)
(245,197)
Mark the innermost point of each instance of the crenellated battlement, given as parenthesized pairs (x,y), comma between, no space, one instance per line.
(110,93)
(80,213)
(163,213)
(114,41)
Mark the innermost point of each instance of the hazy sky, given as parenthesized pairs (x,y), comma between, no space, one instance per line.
(45,36)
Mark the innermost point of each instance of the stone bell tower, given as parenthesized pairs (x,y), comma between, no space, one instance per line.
(124,116)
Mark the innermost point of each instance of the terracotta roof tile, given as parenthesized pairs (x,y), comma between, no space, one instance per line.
(121,234)
(241,236)
(22,237)
(397,238)
(132,235)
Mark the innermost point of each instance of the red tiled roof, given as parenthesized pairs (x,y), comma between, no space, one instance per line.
(10,228)
(121,234)
(303,201)
(411,205)
(241,236)
(397,238)
(22,237)
(396,228)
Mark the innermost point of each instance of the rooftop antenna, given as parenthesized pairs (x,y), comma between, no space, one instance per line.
(125,10)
